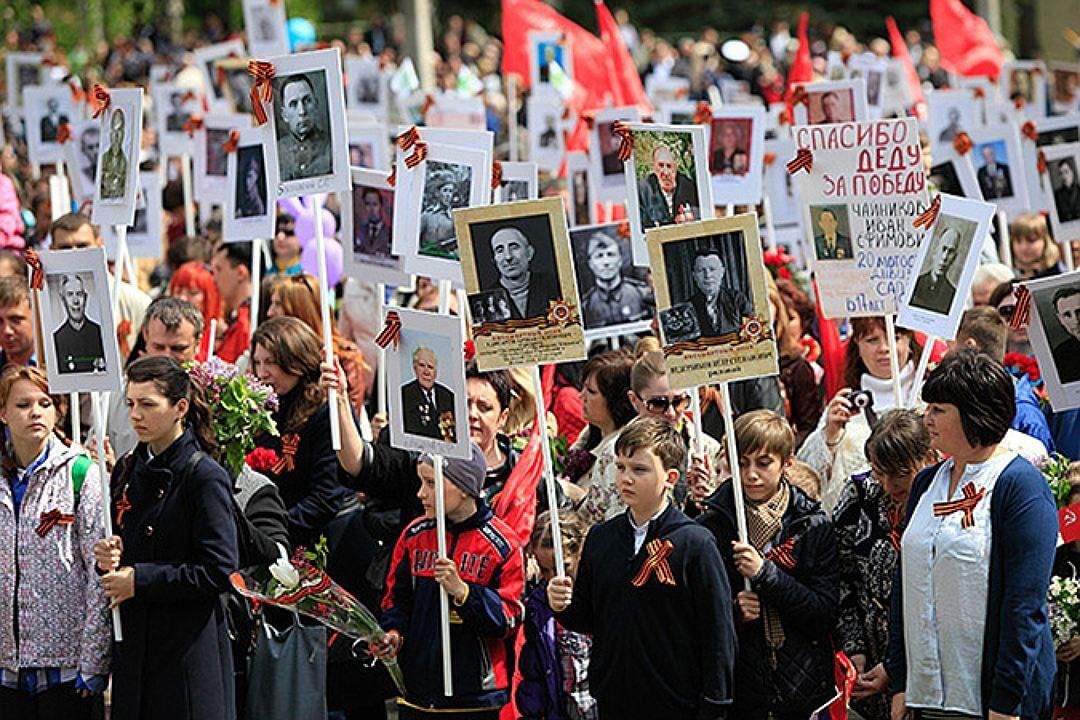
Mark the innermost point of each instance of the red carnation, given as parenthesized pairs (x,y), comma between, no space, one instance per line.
(261,459)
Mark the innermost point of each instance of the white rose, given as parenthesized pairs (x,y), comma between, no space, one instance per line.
(283,570)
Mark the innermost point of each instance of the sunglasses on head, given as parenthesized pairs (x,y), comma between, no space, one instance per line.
(661,403)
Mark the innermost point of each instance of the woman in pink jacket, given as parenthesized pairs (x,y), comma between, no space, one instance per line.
(11,222)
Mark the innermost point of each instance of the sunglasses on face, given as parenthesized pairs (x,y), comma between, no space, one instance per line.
(661,403)
(1006,312)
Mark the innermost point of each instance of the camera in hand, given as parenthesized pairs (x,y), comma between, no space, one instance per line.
(861,400)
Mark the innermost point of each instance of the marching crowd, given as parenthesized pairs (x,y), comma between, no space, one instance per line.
(907,541)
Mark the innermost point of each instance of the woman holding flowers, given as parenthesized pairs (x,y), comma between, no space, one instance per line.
(170,559)
(54,621)
(1067,573)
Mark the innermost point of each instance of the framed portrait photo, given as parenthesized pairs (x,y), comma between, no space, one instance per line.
(80,156)
(45,109)
(1025,80)
(832,102)
(211,160)
(543,113)
(116,179)
(945,267)
(872,72)
(1052,130)
(267,31)
(1063,184)
(519,280)
(310,152)
(951,112)
(712,299)
(616,298)
(427,195)
(78,329)
(736,152)
(1065,79)
(213,84)
(999,167)
(608,172)
(519,182)
(368,146)
(367,223)
(368,87)
(545,48)
(425,374)
(173,108)
(236,81)
(1055,336)
(22,70)
(250,209)
(954,174)
(667,180)
(582,206)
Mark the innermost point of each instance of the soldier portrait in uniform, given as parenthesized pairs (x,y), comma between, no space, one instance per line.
(216,164)
(372,220)
(114,163)
(302,125)
(1055,336)
(446,188)
(935,287)
(832,232)
(613,291)
(77,341)
(517,256)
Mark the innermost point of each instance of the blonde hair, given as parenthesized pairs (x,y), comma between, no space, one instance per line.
(1034,225)
(764,431)
(648,364)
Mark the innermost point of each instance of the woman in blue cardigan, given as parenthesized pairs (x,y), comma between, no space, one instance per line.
(968,632)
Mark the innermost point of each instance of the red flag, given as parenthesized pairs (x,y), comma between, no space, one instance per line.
(832,350)
(1069,522)
(900,52)
(516,502)
(966,43)
(627,88)
(801,71)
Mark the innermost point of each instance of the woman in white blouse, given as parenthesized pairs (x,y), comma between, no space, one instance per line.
(968,632)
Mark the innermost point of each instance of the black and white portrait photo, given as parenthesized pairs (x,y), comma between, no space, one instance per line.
(51,119)
(1062,183)
(607,171)
(709,276)
(368,89)
(249,208)
(935,284)
(1054,331)
(77,341)
(80,156)
(446,188)
(614,292)
(518,256)
(490,306)
(267,33)
(211,161)
(832,232)
(118,158)
(205,60)
(581,210)
(1065,306)
(543,113)
(251,195)
(22,71)
(115,160)
(173,108)
(520,181)
(944,178)
(47,108)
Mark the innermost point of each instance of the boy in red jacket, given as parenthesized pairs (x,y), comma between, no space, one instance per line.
(484,577)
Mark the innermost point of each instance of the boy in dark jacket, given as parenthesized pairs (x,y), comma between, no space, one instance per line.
(652,591)
(785,668)
(484,577)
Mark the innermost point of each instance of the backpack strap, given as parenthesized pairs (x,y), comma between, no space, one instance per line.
(79,469)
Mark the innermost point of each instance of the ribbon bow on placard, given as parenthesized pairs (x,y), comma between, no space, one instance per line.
(1040,162)
(407,139)
(496,174)
(100,97)
(626,139)
(51,519)
(261,91)
(803,160)
(419,154)
(287,462)
(703,114)
(391,332)
(656,563)
(232,143)
(965,505)
(928,216)
(1029,131)
(37,275)
(623,230)
(962,143)
(63,133)
(193,125)
(1022,312)
(799,96)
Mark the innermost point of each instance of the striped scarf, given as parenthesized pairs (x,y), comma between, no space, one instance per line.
(763,523)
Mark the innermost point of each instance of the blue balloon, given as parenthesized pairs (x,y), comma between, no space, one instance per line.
(301,33)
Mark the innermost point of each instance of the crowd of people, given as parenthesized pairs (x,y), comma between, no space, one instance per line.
(913,537)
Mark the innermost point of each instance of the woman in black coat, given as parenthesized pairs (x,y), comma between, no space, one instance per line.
(170,559)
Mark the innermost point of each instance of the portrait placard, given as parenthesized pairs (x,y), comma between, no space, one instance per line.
(213,85)
(680,112)
(457,137)
(249,205)
(425,372)
(236,82)
(427,196)
(951,112)
(1063,180)
(664,90)
(145,237)
(311,149)
(828,103)
(367,221)
(872,72)
(267,28)
(545,47)
(778,183)
(1054,331)
(368,146)
(896,96)
(999,167)
(173,107)
(22,70)
(667,180)
(1052,130)
(543,113)
(953,174)
(860,200)
(368,87)
(1065,78)
(615,295)
(118,158)
(519,182)
(582,207)
(80,156)
(608,172)
(712,298)
(934,301)
(736,153)
(211,160)
(46,108)
(453,110)
(78,329)
(1025,81)
(519,278)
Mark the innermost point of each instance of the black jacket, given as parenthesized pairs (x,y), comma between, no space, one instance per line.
(806,599)
(179,534)
(658,651)
(418,415)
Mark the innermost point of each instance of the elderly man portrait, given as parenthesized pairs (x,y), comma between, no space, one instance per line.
(719,307)
(994,178)
(304,147)
(933,290)
(665,193)
(424,401)
(52,120)
(1066,303)
(79,348)
(613,298)
(830,243)
(530,288)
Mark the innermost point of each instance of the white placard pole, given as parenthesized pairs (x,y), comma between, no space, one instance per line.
(894,360)
(444,598)
(729,209)
(118,268)
(695,414)
(511,115)
(444,297)
(920,372)
(549,474)
(327,331)
(97,404)
(380,369)
(770,229)
(59,192)
(256,285)
(76,418)
(189,201)
(733,464)
(1004,244)
(212,339)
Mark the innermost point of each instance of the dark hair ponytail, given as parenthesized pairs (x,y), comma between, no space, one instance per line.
(174,382)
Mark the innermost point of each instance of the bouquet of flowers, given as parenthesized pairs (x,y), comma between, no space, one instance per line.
(1020,365)
(1063,606)
(1054,471)
(782,264)
(302,585)
(241,408)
